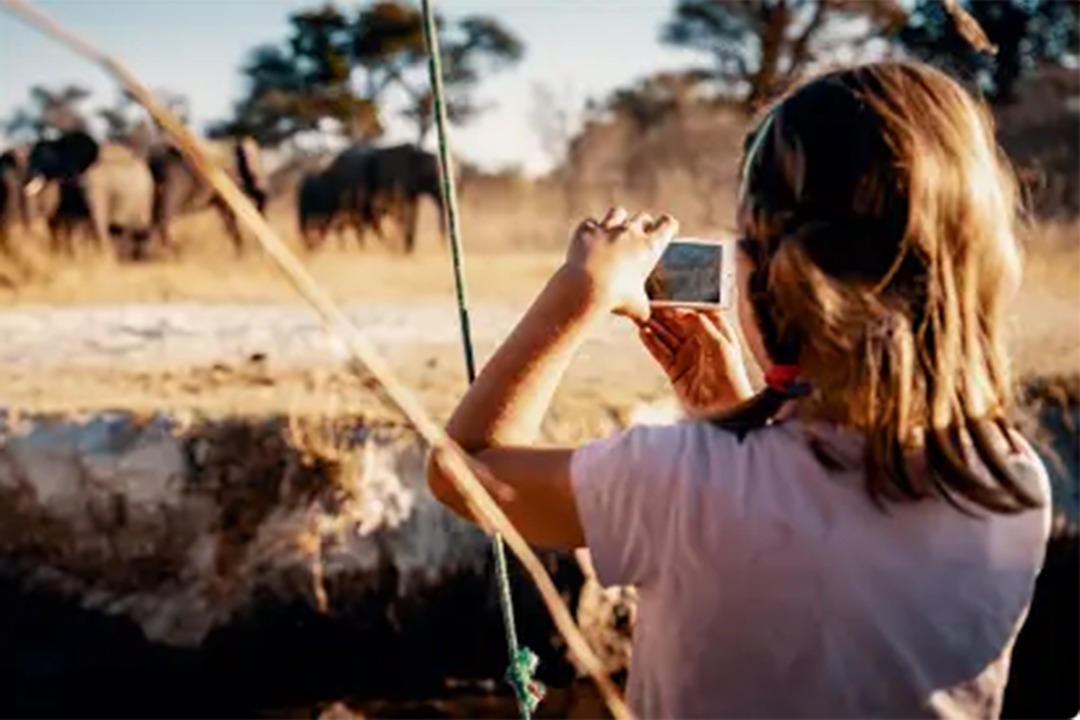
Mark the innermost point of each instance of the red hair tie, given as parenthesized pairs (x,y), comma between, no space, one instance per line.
(784,379)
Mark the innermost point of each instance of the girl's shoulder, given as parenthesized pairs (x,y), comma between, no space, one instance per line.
(700,448)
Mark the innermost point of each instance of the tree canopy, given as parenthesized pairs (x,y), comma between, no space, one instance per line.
(1025,33)
(342,70)
(302,83)
(758,47)
(63,109)
(125,121)
(49,110)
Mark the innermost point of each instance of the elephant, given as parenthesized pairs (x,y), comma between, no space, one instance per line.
(397,177)
(319,208)
(336,197)
(179,191)
(106,188)
(13,204)
(363,185)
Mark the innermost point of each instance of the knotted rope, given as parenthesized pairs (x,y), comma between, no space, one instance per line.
(522,661)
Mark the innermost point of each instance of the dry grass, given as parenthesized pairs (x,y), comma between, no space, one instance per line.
(348,276)
(1045,323)
(515,233)
(208,271)
(507,263)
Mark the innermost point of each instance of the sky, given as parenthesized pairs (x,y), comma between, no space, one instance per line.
(579,48)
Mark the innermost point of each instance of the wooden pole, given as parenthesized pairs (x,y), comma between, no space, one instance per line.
(362,354)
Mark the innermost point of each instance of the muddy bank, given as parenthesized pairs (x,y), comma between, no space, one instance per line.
(237,568)
(162,566)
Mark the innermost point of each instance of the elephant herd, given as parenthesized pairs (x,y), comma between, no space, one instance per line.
(125,201)
(122,199)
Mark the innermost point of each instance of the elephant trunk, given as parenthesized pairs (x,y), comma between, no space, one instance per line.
(33,198)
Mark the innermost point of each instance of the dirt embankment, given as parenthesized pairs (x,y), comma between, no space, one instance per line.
(235,567)
(287,563)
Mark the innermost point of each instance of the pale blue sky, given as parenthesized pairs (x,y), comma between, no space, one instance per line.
(585,47)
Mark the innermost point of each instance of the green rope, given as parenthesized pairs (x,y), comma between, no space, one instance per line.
(522,660)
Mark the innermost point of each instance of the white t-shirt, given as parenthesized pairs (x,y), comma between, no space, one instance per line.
(771,587)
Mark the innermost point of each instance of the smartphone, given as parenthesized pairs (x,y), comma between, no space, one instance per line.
(694,273)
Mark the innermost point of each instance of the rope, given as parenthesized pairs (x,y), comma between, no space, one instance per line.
(360,353)
(522,661)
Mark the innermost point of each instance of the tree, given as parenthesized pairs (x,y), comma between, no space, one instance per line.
(556,118)
(48,111)
(649,101)
(389,46)
(1025,34)
(127,122)
(303,84)
(337,71)
(758,47)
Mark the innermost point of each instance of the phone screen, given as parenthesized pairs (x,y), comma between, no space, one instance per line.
(688,272)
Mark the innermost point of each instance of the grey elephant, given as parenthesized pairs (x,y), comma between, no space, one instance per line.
(179,191)
(105,188)
(335,197)
(319,208)
(397,177)
(363,185)
(13,205)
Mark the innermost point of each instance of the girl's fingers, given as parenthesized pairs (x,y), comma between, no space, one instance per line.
(669,316)
(614,217)
(683,321)
(641,223)
(664,331)
(663,230)
(585,226)
(716,325)
(656,347)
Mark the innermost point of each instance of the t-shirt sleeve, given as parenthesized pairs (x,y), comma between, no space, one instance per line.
(626,488)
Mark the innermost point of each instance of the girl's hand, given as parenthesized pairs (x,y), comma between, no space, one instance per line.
(616,255)
(700,355)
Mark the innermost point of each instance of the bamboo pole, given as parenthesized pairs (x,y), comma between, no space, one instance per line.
(362,354)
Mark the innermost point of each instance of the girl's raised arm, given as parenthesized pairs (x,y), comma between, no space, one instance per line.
(500,415)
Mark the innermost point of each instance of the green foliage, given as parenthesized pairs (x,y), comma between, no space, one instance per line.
(299,84)
(1027,34)
(652,99)
(389,33)
(755,48)
(389,44)
(49,110)
(127,122)
(335,68)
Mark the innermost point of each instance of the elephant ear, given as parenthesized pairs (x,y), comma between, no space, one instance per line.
(75,153)
(43,160)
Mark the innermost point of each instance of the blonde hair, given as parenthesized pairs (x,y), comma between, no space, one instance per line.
(880,217)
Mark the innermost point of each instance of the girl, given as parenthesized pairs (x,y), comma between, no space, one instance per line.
(860,538)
